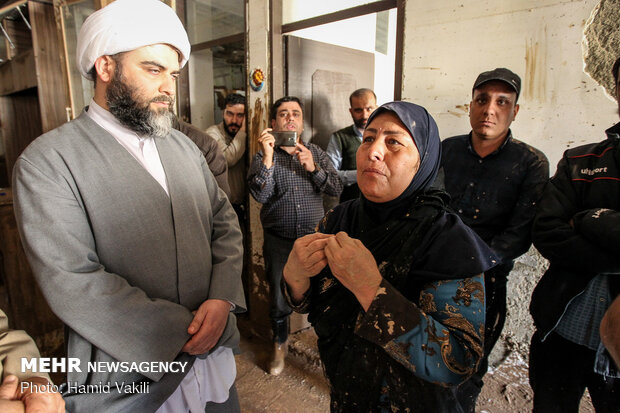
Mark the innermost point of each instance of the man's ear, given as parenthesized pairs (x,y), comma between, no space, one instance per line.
(273,123)
(104,67)
(515,111)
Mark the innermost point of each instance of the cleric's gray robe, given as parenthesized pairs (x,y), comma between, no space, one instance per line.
(120,262)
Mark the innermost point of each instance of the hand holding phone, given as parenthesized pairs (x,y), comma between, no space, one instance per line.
(285,138)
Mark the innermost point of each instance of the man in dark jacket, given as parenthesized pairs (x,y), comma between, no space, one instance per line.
(210,150)
(577,228)
(495,182)
(343,143)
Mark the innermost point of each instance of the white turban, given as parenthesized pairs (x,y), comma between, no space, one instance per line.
(126,25)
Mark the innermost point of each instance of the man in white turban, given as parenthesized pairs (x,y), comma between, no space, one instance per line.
(134,246)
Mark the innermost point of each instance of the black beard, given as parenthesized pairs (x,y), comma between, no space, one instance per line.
(229,132)
(135,115)
(360,124)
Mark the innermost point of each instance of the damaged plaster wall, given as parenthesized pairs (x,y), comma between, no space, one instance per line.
(447,44)
(602,43)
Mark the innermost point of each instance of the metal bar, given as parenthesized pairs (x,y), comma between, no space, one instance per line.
(11,6)
(7,36)
(400,41)
(357,11)
(19,9)
(239,37)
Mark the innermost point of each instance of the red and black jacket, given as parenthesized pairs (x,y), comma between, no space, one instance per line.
(577,227)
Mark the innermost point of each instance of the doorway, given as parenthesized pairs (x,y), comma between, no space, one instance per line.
(326,63)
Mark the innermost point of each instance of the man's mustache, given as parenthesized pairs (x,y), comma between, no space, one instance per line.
(163,98)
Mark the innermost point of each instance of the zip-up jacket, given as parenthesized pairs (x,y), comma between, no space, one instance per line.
(577,227)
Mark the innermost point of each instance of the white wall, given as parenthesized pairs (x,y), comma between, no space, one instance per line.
(448,43)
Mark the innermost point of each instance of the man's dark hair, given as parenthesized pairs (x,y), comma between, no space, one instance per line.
(117,60)
(93,74)
(361,92)
(234,99)
(277,103)
(615,70)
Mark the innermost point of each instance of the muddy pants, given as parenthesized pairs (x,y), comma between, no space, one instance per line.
(560,371)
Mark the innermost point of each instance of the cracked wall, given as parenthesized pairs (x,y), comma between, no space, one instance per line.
(601,43)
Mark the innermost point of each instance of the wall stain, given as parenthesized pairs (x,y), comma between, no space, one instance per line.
(535,80)
(258,286)
(457,114)
(256,121)
(463,110)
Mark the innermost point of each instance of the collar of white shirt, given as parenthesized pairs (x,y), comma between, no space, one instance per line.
(142,148)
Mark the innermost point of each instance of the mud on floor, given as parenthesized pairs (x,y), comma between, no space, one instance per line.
(302,387)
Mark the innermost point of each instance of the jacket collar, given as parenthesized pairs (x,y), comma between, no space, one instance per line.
(613,132)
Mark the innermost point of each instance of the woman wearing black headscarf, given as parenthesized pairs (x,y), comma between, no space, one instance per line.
(392,281)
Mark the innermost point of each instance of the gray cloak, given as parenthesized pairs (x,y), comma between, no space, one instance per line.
(120,262)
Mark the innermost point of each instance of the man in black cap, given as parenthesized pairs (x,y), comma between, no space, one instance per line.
(495,182)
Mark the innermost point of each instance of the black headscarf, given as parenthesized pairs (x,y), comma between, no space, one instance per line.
(414,240)
(425,135)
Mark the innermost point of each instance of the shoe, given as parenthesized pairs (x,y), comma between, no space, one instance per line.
(277,363)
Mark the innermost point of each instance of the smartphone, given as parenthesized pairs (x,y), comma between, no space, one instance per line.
(286,138)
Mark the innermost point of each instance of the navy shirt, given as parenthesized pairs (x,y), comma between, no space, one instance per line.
(496,195)
(291,196)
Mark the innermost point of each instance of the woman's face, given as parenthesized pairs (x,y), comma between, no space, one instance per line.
(387,159)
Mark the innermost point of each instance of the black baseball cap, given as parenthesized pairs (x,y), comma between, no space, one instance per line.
(502,74)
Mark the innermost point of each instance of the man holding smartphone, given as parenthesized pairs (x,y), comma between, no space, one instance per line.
(288,177)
